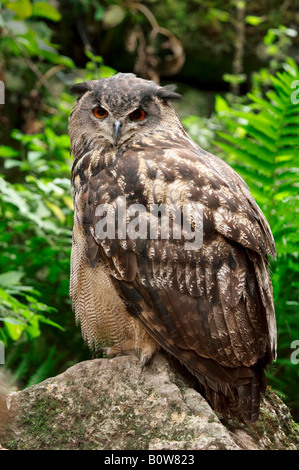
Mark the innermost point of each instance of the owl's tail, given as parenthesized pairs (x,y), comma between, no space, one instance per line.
(240,396)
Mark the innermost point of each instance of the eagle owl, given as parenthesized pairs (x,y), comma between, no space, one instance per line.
(210,305)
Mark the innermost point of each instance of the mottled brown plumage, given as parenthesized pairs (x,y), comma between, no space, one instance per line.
(211,307)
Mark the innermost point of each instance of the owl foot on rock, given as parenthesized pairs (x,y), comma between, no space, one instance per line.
(110,352)
(146,352)
(115,350)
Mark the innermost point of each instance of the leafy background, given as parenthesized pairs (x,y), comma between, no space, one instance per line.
(236,65)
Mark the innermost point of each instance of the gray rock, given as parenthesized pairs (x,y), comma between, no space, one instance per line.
(110,404)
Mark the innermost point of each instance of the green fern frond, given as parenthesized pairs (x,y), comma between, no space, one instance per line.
(249,146)
(271,145)
(263,147)
(269,107)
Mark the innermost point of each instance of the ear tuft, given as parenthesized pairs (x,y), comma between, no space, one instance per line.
(80,88)
(167,93)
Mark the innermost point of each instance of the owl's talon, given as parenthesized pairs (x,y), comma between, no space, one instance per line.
(145,359)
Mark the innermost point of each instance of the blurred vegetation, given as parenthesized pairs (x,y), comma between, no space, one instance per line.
(235,63)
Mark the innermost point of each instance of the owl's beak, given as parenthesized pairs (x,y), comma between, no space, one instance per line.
(116,133)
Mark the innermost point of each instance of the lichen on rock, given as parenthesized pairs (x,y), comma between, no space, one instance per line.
(112,404)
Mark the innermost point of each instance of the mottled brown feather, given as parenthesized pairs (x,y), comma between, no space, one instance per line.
(212,308)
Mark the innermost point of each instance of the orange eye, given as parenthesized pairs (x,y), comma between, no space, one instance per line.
(100,113)
(138,115)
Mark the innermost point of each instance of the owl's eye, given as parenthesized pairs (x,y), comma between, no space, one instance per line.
(138,115)
(100,113)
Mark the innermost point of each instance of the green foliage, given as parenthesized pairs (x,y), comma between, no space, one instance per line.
(16,315)
(35,239)
(35,199)
(36,218)
(202,130)
(36,207)
(261,142)
(40,44)
(274,50)
(26,36)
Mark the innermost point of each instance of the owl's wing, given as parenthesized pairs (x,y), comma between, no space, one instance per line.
(211,307)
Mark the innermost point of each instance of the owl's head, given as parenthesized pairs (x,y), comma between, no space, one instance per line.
(117,109)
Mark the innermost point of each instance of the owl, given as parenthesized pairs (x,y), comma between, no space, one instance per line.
(200,291)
